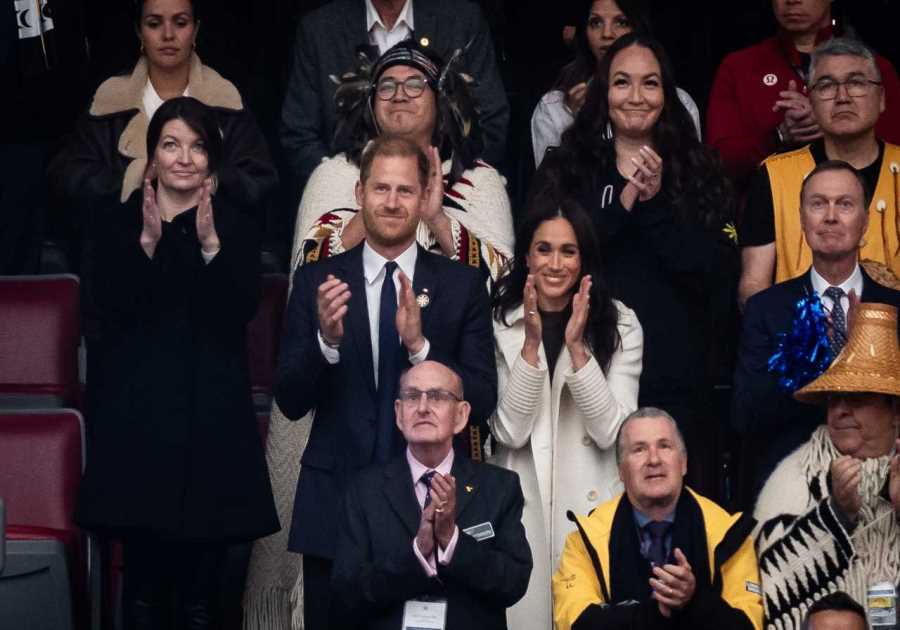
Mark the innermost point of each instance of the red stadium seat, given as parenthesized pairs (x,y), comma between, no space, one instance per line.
(39,335)
(263,336)
(41,461)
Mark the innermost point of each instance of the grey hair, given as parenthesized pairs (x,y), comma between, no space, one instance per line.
(840,47)
(648,412)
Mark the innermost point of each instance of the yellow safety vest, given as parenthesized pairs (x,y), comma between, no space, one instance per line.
(882,239)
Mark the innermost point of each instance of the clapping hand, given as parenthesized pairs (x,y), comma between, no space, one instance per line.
(799,126)
(152,228)
(574,335)
(846,472)
(575,97)
(206,226)
(533,327)
(331,305)
(409,317)
(433,208)
(673,584)
(646,181)
(443,497)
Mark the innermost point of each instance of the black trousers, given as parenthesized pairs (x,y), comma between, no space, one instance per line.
(166,579)
(317,595)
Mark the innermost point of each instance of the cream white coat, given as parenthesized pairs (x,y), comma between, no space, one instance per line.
(560,439)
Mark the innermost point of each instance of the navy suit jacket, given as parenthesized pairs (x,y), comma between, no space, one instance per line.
(376,571)
(457,324)
(326,45)
(759,407)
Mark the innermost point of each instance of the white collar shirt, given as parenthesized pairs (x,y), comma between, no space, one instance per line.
(152,101)
(853,283)
(380,35)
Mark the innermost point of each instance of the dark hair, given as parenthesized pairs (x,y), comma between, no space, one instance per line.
(837,165)
(200,118)
(393,146)
(837,601)
(601,332)
(692,174)
(137,10)
(583,66)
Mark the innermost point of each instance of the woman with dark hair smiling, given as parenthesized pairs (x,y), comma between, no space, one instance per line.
(661,208)
(175,465)
(601,23)
(568,361)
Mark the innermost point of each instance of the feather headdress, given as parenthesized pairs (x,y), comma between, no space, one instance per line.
(457,133)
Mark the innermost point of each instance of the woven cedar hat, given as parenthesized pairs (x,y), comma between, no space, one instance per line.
(869,362)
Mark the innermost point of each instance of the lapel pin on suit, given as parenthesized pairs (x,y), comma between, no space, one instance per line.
(469,488)
(423,299)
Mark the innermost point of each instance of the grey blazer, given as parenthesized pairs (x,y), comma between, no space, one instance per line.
(326,44)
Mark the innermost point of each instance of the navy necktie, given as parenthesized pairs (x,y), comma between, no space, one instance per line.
(387,441)
(657,531)
(838,319)
(426,479)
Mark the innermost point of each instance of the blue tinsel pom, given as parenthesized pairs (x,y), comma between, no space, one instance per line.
(804,352)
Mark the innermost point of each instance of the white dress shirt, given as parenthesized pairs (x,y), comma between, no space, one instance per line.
(373,271)
(380,36)
(853,283)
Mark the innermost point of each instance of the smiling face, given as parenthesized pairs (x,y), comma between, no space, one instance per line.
(167,32)
(554,258)
(863,425)
(846,116)
(653,463)
(635,92)
(606,23)
(833,215)
(390,199)
(181,160)
(426,423)
(802,16)
(411,118)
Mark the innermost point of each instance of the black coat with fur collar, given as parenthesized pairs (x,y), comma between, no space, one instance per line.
(107,154)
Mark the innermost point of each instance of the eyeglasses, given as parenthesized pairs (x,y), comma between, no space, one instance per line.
(412,396)
(412,87)
(827,89)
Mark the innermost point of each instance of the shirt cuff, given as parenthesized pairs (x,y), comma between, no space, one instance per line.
(207,258)
(421,355)
(332,355)
(446,555)
(427,565)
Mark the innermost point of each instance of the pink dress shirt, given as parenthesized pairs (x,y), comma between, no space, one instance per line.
(417,469)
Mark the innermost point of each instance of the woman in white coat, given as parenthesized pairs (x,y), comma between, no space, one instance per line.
(568,361)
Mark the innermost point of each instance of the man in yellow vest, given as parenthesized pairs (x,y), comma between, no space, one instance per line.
(847,98)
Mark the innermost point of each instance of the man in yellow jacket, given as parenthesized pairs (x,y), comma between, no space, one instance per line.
(659,555)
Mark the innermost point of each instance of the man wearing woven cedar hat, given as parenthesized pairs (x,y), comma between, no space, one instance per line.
(829,516)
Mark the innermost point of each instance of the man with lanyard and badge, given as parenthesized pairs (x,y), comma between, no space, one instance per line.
(431,540)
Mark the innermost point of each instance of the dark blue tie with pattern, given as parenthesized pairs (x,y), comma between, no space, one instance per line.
(838,319)
(387,441)
(657,530)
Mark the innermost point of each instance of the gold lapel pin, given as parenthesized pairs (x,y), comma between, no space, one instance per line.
(469,488)
(424,42)
(423,299)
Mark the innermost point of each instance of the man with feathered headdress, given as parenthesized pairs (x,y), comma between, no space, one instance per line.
(829,516)
(410,92)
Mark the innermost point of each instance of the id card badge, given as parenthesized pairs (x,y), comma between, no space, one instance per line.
(881,604)
(422,614)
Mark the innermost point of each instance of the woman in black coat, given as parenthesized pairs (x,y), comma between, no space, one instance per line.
(175,463)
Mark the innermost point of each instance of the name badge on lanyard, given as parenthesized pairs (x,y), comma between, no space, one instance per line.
(881,604)
(422,614)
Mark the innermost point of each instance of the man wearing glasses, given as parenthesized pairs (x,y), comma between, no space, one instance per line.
(847,98)
(355,321)
(430,540)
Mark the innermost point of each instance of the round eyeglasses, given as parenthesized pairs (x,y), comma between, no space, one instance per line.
(413,87)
